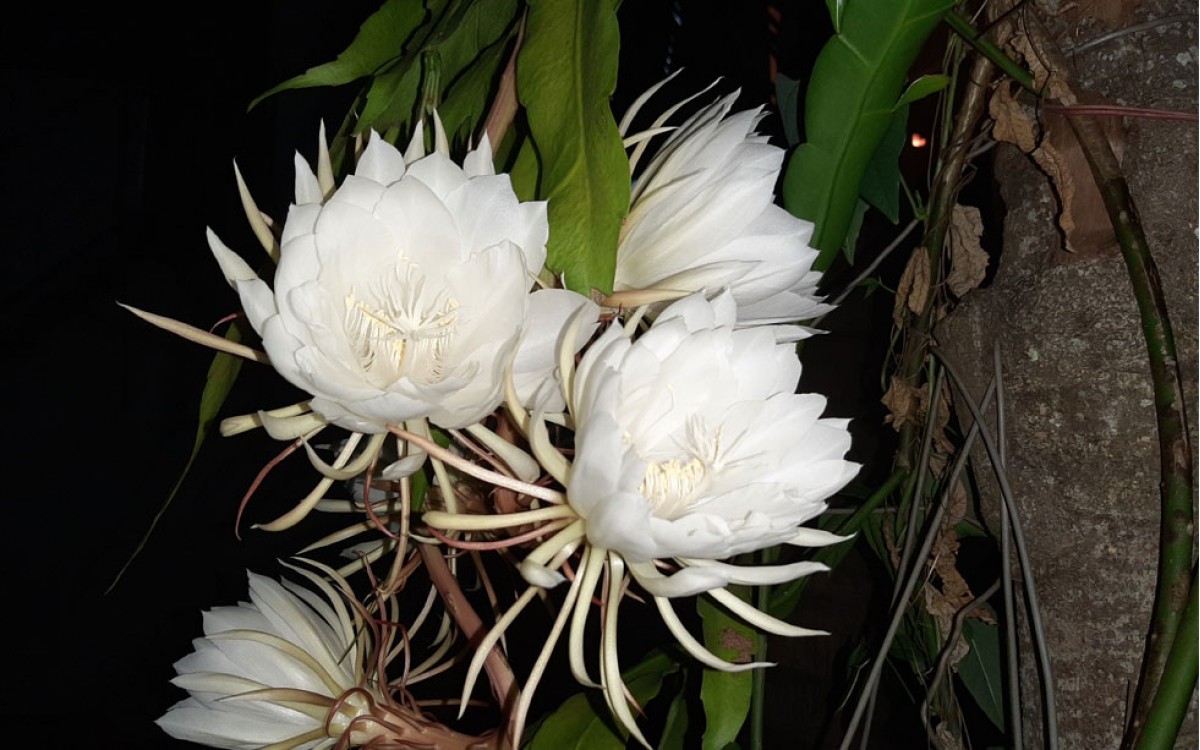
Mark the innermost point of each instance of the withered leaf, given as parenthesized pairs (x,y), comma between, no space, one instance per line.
(1012,121)
(968,261)
(904,403)
(913,290)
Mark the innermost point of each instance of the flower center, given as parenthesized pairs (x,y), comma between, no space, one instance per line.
(400,329)
(671,485)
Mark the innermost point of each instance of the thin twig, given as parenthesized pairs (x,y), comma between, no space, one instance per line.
(1146,26)
(910,582)
(948,650)
(910,531)
(1114,110)
(1015,725)
(870,269)
(1037,630)
(941,204)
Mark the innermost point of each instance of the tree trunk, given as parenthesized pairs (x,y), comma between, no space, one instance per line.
(1081,433)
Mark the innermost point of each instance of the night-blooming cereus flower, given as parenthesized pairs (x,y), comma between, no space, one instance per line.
(702,217)
(691,447)
(403,295)
(289,670)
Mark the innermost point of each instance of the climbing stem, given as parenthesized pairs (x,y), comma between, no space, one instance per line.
(1178,682)
(979,41)
(1175,454)
(941,207)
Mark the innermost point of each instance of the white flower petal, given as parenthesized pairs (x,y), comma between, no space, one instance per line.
(380,162)
(546,324)
(257,298)
(216,725)
(478,163)
(308,190)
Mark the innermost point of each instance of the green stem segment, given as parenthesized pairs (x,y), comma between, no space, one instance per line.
(758,678)
(981,44)
(1175,454)
(1177,685)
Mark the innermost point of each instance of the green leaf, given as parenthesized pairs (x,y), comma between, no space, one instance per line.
(676,726)
(468,41)
(980,670)
(566,73)
(923,87)
(378,42)
(221,376)
(855,84)
(391,98)
(725,695)
(582,722)
(526,171)
(787,93)
(836,8)
(467,98)
(851,242)
(881,180)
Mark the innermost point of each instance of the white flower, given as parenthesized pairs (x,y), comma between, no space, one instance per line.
(702,218)
(404,294)
(270,670)
(692,445)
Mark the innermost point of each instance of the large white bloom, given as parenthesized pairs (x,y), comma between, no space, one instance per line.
(404,294)
(702,218)
(692,445)
(292,649)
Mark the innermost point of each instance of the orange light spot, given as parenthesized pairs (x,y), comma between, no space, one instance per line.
(918,140)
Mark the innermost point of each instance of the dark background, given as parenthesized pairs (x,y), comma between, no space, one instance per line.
(118,133)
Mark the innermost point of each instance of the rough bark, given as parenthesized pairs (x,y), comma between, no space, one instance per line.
(1081,430)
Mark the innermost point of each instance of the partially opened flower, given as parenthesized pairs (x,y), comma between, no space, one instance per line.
(403,295)
(269,670)
(288,670)
(702,217)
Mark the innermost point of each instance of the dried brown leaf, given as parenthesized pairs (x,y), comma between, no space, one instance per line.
(968,261)
(913,290)
(904,403)
(1083,218)
(943,737)
(941,441)
(1013,121)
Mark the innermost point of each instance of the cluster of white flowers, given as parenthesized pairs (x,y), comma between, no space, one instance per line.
(409,296)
